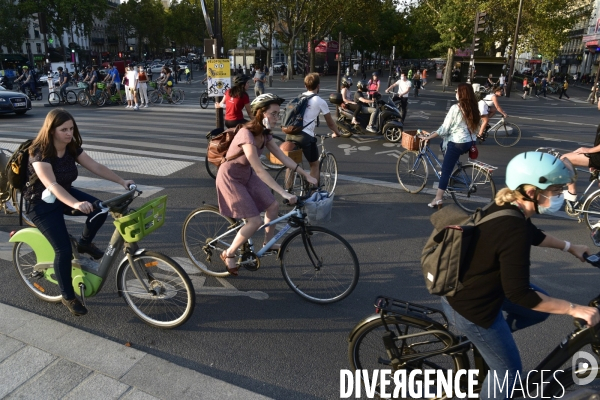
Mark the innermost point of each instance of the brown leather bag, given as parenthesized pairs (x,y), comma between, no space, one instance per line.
(219,141)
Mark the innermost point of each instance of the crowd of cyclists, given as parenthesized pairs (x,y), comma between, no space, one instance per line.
(499,297)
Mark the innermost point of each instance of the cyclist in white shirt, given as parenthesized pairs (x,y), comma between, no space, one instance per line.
(404,86)
(316,106)
(492,102)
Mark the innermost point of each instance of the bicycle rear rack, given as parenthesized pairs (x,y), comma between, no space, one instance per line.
(400,307)
(489,168)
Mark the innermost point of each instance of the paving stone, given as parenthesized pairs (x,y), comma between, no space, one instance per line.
(8,346)
(170,381)
(98,387)
(54,382)
(22,366)
(12,318)
(137,394)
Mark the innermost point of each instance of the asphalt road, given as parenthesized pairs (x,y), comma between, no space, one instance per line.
(253,330)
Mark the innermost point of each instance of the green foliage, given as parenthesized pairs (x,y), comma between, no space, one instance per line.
(13,26)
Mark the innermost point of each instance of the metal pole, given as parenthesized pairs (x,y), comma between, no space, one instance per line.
(514,52)
(220,121)
(339,71)
(597,72)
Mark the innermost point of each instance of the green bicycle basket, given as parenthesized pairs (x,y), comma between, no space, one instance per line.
(100,85)
(153,85)
(147,219)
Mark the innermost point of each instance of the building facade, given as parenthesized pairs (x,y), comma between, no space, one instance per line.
(591,42)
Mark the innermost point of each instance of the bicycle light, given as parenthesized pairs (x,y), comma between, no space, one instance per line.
(12,233)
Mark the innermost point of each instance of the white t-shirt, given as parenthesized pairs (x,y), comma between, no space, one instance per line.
(502,79)
(132,76)
(315,106)
(403,86)
(488,99)
(483,107)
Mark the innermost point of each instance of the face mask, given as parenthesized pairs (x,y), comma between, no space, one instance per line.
(266,123)
(556,203)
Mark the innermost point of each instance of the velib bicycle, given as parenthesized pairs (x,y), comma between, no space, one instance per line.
(55,98)
(470,185)
(316,263)
(587,205)
(506,134)
(293,182)
(154,286)
(407,336)
(265,158)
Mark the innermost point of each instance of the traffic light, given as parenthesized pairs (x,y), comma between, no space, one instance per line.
(481,21)
(72,50)
(173,46)
(120,54)
(476,44)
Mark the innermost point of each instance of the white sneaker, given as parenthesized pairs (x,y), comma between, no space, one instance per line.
(371,129)
(127,106)
(146,106)
(136,108)
(10,209)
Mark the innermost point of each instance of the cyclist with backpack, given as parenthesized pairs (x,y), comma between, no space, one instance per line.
(243,184)
(28,78)
(306,135)
(51,170)
(235,100)
(373,86)
(497,297)
(63,82)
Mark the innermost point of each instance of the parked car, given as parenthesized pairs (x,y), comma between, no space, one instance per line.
(43,79)
(13,102)
(277,66)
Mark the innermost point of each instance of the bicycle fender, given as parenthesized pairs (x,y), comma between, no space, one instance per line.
(122,265)
(37,241)
(361,324)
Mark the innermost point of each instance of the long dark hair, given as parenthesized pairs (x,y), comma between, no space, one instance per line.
(238,90)
(468,105)
(255,125)
(44,140)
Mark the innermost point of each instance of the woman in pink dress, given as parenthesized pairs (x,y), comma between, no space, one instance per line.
(243,185)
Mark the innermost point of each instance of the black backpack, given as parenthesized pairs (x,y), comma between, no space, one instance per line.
(15,172)
(292,122)
(445,250)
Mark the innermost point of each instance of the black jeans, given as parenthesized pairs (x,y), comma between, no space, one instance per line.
(403,106)
(234,123)
(49,219)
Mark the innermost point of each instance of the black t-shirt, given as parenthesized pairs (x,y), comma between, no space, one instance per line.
(499,259)
(357,95)
(64,168)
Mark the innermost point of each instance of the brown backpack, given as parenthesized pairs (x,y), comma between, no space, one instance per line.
(219,141)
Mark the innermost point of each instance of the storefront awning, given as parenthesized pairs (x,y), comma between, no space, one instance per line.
(16,58)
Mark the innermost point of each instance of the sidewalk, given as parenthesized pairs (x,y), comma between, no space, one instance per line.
(44,359)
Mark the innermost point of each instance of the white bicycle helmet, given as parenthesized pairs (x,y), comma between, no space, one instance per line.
(264,100)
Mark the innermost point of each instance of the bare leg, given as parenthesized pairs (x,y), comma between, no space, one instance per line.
(270,215)
(252,225)
(314,169)
(484,121)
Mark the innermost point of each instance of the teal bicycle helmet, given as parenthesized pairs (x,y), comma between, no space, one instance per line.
(538,169)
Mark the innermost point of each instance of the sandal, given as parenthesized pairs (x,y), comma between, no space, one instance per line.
(232,271)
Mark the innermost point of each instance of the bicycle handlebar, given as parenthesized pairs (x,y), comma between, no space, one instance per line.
(300,200)
(594,260)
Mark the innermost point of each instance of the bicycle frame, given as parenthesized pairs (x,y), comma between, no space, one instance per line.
(296,212)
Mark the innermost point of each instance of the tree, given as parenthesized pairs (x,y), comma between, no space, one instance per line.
(13,25)
(185,24)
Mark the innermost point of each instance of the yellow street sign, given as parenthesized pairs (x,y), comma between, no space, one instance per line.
(218,73)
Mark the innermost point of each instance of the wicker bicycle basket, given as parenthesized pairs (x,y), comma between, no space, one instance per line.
(295,155)
(410,141)
(145,220)
(101,85)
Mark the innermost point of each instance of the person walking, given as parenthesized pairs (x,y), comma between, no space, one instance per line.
(259,81)
(416,83)
(593,97)
(423,78)
(525,88)
(143,87)
(544,86)
(501,82)
(53,156)
(457,133)
(404,86)
(132,77)
(564,88)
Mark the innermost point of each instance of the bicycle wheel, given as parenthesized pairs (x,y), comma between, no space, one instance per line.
(563,384)
(507,135)
(43,284)
(101,101)
(204,100)
(181,97)
(83,99)
(265,156)
(175,97)
(211,168)
(292,182)
(591,209)
(53,98)
(328,173)
(155,97)
(171,299)
(71,98)
(471,187)
(200,227)
(321,267)
(367,351)
(16,199)
(412,171)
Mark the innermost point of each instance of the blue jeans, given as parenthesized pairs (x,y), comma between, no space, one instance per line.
(496,344)
(49,219)
(63,90)
(453,153)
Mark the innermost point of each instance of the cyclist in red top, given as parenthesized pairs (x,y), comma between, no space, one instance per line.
(235,100)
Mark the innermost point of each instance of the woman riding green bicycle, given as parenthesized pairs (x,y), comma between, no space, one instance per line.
(52,157)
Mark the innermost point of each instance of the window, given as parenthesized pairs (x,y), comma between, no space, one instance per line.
(38,47)
(36,33)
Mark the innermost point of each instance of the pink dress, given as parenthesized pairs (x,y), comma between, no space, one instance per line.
(241,193)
